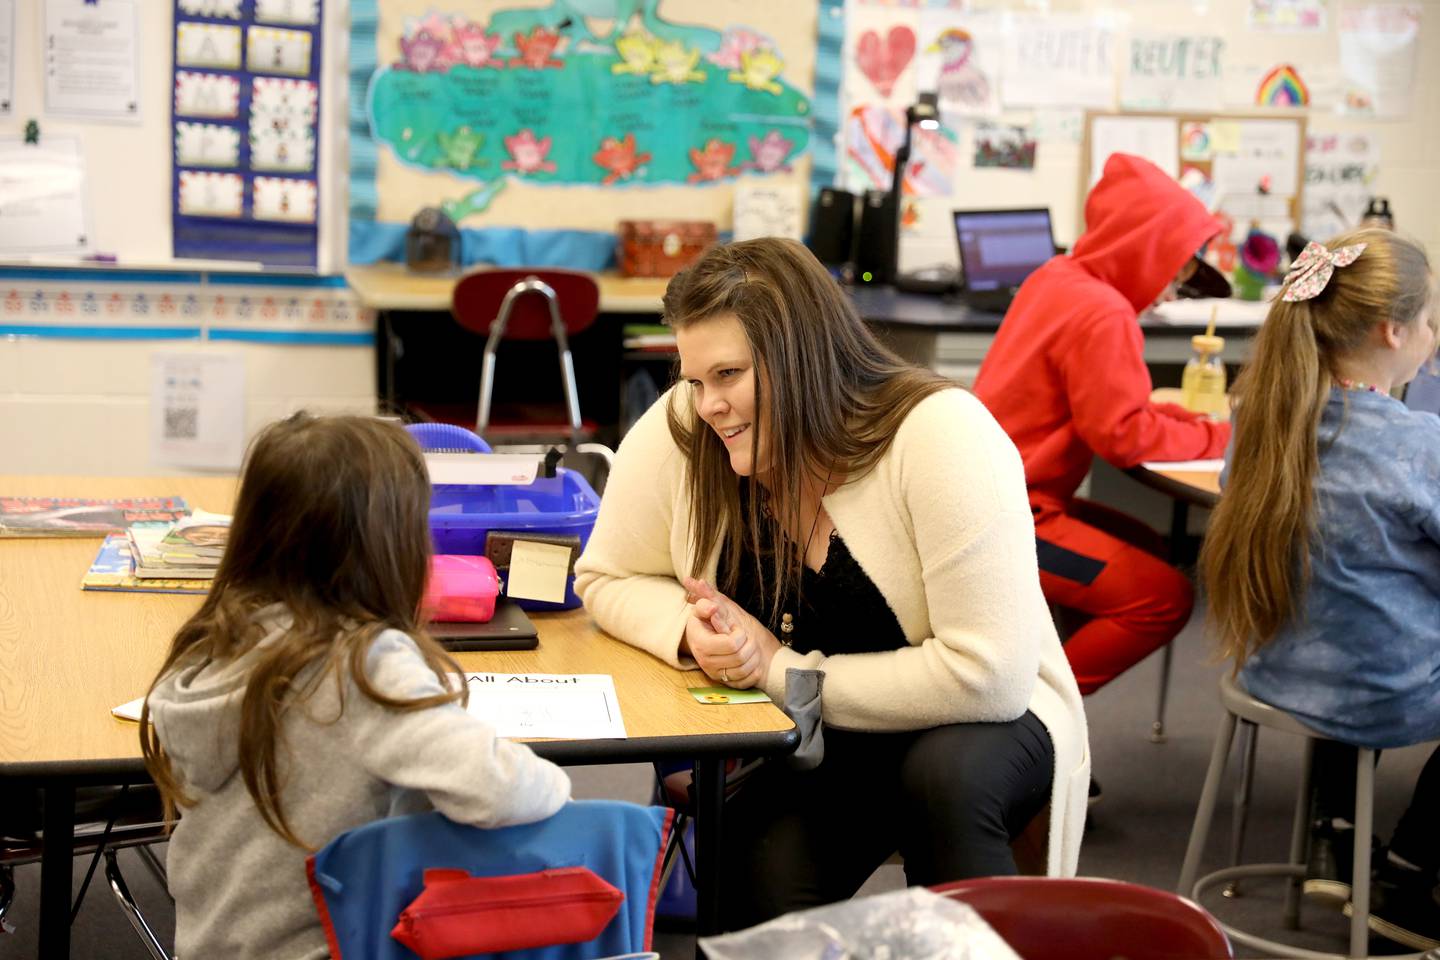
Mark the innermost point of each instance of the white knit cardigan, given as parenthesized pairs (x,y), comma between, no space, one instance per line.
(943,528)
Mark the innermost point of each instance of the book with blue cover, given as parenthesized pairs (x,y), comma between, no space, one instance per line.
(114,570)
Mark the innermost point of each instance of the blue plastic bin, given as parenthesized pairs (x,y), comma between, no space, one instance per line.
(564,505)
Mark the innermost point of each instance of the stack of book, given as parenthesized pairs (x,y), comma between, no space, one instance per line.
(189,549)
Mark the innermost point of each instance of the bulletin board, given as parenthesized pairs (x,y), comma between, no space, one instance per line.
(537,129)
(1248,166)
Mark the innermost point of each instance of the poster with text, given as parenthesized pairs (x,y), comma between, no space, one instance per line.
(960,56)
(1340,171)
(1059,60)
(1173,71)
(1289,16)
(92,60)
(7,57)
(1379,43)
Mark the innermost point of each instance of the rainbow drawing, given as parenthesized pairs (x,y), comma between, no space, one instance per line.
(1282,87)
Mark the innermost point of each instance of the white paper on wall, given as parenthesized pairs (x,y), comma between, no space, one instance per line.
(765,210)
(959,59)
(1154,138)
(206,95)
(272,50)
(206,145)
(227,9)
(212,45)
(281,198)
(92,60)
(297,12)
(211,194)
(1288,16)
(1173,71)
(1340,171)
(1378,46)
(42,196)
(1059,125)
(197,404)
(1059,60)
(7,57)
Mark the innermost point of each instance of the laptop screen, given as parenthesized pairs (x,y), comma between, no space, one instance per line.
(1000,248)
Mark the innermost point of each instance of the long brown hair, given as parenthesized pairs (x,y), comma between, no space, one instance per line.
(1256,556)
(330,522)
(836,398)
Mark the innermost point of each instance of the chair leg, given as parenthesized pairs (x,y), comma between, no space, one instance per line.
(1240,816)
(1299,836)
(1360,872)
(1200,832)
(1167,657)
(157,869)
(7,897)
(132,912)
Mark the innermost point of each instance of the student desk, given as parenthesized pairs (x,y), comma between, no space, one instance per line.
(67,656)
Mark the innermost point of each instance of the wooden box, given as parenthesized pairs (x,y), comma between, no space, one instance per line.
(660,248)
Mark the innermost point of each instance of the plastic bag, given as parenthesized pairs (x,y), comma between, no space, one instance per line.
(912,924)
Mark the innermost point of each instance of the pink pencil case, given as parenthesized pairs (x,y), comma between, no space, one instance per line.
(460,589)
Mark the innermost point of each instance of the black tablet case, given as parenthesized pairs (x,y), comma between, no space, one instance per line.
(509,629)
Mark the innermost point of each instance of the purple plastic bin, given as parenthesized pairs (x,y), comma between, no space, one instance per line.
(563,505)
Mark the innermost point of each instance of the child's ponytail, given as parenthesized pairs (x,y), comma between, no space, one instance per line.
(1256,558)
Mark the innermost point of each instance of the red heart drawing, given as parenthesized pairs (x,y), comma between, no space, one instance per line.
(884,62)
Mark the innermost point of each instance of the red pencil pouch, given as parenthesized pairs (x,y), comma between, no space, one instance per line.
(460,589)
(458,915)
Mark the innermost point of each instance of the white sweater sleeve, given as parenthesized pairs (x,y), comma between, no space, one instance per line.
(960,505)
(626,576)
(469,774)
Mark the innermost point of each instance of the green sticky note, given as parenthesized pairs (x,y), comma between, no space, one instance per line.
(723,695)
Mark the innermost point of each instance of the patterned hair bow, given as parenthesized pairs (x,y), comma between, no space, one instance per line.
(1312,269)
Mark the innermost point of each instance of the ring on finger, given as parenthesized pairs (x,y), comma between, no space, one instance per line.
(724,677)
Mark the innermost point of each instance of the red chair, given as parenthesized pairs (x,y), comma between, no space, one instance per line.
(526,305)
(1087,918)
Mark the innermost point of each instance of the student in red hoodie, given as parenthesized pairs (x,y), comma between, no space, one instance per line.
(1066,378)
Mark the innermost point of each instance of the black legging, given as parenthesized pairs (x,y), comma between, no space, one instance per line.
(1416,836)
(950,799)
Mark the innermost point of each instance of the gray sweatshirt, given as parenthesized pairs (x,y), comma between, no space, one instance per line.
(240,889)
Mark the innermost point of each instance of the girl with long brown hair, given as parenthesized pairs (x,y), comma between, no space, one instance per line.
(305,698)
(1322,561)
(803,500)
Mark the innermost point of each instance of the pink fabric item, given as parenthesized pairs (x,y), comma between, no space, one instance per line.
(460,589)
(1311,270)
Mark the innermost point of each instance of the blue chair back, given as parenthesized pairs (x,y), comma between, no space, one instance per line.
(365,877)
(434,437)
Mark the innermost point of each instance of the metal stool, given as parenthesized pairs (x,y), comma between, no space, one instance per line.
(1241,707)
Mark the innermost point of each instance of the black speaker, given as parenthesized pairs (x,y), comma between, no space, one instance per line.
(832,227)
(875,249)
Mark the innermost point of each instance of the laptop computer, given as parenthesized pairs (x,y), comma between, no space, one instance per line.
(998,250)
(509,629)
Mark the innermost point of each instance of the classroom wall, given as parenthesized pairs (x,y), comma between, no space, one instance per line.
(1410,148)
(129,166)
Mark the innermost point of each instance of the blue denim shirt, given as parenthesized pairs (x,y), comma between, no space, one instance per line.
(1361,661)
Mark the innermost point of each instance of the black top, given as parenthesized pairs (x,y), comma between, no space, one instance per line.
(840,609)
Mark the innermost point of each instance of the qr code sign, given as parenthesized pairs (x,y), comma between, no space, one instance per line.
(181,423)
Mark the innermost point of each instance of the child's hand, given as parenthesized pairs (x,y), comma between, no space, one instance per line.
(736,647)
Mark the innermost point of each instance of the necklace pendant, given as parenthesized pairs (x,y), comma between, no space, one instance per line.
(787,627)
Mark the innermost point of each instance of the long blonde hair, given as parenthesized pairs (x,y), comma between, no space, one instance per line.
(330,522)
(836,398)
(1256,557)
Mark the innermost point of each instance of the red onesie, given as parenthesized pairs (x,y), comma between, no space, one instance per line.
(1066,378)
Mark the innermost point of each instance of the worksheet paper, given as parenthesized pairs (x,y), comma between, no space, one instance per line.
(42,196)
(580,706)
(92,60)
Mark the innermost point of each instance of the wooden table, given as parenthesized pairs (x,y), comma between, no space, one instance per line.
(67,656)
(393,286)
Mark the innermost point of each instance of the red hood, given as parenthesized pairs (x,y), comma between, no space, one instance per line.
(1140,228)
